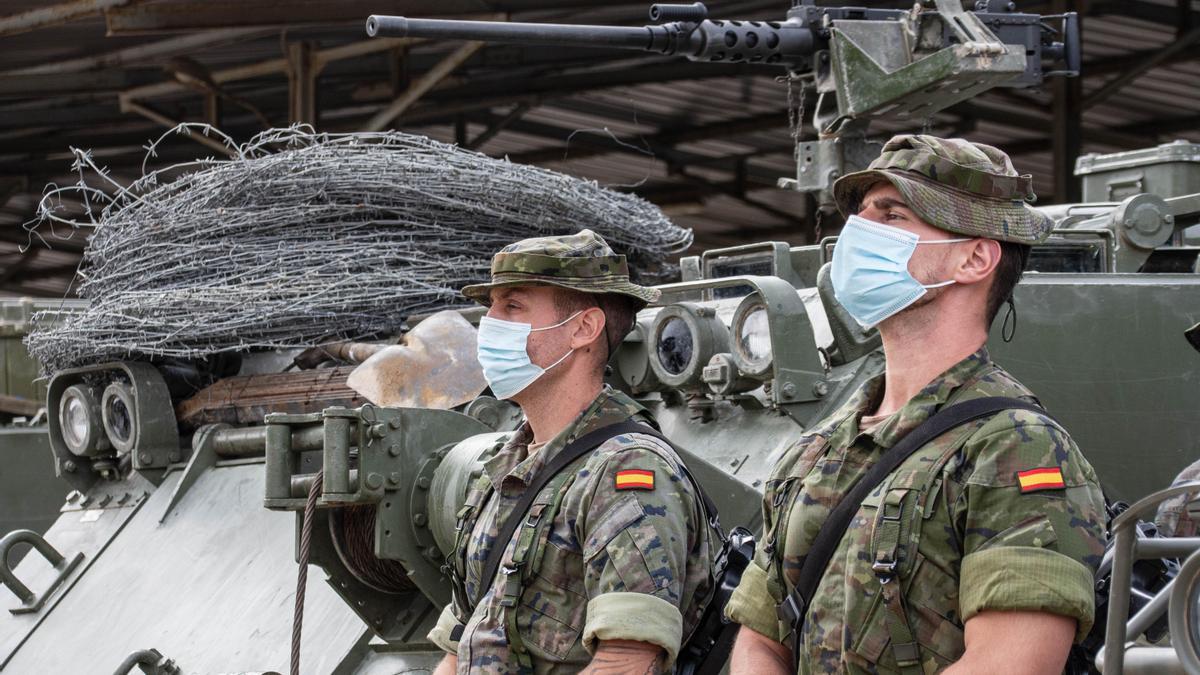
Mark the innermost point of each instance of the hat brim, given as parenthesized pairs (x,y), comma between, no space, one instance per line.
(644,295)
(949,208)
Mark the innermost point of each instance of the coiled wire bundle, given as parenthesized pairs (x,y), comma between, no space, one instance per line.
(303,237)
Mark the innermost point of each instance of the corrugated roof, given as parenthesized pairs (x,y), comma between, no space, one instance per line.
(598,114)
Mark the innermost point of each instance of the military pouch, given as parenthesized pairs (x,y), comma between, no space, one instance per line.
(794,607)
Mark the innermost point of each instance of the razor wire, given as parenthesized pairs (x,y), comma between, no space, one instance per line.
(302,237)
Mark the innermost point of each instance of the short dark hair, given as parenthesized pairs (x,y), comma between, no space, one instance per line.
(619,313)
(1013,258)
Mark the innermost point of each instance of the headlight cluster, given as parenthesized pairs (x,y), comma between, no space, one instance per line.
(94,421)
(690,346)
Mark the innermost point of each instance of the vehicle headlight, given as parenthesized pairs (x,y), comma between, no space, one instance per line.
(117,408)
(675,346)
(752,351)
(684,337)
(79,421)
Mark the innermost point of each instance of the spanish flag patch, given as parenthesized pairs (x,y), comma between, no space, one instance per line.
(1046,478)
(635,479)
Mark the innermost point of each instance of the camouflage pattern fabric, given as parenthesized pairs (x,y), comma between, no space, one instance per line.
(1173,519)
(581,262)
(968,539)
(610,564)
(967,188)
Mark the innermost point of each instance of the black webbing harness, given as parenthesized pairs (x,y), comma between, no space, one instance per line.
(699,649)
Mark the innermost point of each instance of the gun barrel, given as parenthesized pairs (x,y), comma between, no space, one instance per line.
(523,33)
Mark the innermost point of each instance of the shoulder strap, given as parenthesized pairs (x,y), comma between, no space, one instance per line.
(794,606)
(565,457)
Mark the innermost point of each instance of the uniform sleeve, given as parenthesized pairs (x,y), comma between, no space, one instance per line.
(1032,546)
(440,634)
(636,548)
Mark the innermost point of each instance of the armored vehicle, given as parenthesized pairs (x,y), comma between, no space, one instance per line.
(30,494)
(164,557)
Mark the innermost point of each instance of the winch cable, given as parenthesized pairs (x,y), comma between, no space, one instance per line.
(310,508)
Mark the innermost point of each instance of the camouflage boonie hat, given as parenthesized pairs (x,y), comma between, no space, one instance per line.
(581,262)
(961,187)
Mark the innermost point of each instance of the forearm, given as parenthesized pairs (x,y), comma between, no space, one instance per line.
(626,656)
(1015,642)
(448,665)
(757,654)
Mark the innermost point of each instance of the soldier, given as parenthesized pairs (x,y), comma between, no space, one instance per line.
(1173,518)
(614,559)
(976,554)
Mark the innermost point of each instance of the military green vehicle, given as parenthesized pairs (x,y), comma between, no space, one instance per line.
(30,494)
(165,559)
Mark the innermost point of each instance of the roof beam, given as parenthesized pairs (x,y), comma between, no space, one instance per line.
(69,83)
(500,124)
(140,54)
(1181,46)
(1165,15)
(674,158)
(667,137)
(1122,62)
(383,119)
(193,15)
(155,116)
(278,66)
(45,17)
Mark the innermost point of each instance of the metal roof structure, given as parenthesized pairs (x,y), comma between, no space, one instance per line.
(704,141)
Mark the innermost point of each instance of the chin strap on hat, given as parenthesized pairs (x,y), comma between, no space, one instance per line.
(1008,330)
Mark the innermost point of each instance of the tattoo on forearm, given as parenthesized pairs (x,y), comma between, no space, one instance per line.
(623,659)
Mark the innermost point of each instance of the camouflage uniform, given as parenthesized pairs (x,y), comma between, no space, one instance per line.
(1173,519)
(965,534)
(599,563)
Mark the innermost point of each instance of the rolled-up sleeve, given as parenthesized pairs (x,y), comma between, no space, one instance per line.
(440,634)
(1023,578)
(634,616)
(752,604)
(1030,548)
(641,549)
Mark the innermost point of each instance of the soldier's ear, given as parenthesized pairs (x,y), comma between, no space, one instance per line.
(980,261)
(590,328)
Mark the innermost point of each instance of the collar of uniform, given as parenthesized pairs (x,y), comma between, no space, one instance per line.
(919,408)
(513,453)
(513,461)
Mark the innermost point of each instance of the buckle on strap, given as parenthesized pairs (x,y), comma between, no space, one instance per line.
(884,569)
(512,585)
(791,610)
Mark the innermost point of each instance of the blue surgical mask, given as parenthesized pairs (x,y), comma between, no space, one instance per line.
(870,270)
(503,353)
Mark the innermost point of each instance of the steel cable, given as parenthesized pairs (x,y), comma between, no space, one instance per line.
(310,508)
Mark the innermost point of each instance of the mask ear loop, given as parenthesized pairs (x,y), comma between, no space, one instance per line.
(1007,330)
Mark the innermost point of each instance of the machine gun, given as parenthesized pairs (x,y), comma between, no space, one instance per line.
(864,63)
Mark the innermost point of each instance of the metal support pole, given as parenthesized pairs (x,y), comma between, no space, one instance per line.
(1068,125)
(212,109)
(302,84)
